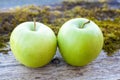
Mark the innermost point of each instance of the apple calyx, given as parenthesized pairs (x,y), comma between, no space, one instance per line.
(34,24)
(85,24)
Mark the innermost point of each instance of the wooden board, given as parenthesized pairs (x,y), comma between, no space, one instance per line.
(103,68)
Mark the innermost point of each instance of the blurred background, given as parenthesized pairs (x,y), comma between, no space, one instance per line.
(105,13)
(13,3)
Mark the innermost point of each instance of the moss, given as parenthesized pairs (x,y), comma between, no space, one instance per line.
(3,39)
(55,16)
(111,35)
(1,44)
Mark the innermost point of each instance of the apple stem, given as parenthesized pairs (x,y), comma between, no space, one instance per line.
(85,23)
(34,23)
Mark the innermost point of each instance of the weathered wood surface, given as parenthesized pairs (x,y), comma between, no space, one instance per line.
(103,68)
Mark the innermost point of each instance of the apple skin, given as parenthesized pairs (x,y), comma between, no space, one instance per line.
(79,46)
(33,48)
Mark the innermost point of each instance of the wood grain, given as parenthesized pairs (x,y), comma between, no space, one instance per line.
(103,68)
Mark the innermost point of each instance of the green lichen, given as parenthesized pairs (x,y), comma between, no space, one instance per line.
(55,16)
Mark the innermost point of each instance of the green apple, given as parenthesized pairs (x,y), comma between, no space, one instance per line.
(33,44)
(80,41)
